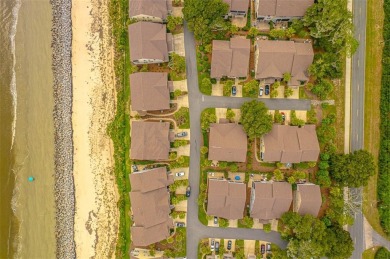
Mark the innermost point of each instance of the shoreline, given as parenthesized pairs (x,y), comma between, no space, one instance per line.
(63,132)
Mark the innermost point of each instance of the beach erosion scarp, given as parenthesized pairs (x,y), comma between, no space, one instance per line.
(64,182)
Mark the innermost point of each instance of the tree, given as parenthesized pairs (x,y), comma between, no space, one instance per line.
(331,23)
(177,63)
(309,237)
(289,32)
(227,87)
(326,65)
(223,223)
(247,222)
(202,16)
(208,116)
(267,228)
(253,32)
(339,243)
(288,92)
(205,248)
(255,119)
(277,33)
(204,150)
(206,86)
(323,178)
(286,77)
(279,176)
(250,89)
(295,121)
(382,253)
(177,93)
(278,117)
(274,93)
(352,170)
(173,22)
(322,88)
(230,115)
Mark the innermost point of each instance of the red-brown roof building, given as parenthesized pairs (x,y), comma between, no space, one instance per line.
(228,142)
(291,144)
(150,206)
(230,58)
(226,199)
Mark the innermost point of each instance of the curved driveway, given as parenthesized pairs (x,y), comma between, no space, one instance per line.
(197,102)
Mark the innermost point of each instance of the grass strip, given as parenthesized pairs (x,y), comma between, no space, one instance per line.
(119,128)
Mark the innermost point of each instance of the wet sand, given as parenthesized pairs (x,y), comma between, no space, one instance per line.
(97,217)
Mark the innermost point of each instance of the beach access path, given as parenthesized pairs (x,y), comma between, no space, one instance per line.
(96,216)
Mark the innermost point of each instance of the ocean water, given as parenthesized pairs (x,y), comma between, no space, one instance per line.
(27,212)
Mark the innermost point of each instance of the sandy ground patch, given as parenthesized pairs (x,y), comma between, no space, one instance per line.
(220,113)
(233,223)
(249,247)
(301,115)
(217,89)
(182,85)
(178,41)
(96,218)
(239,21)
(177,11)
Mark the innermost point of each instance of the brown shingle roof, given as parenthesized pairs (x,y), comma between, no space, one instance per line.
(228,142)
(148,41)
(150,206)
(279,57)
(149,140)
(230,58)
(302,60)
(155,8)
(288,8)
(271,200)
(146,236)
(238,5)
(290,144)
(226,199)
(310,199)
(149,91)
(149,180)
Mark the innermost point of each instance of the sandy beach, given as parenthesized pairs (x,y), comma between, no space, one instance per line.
(96,215)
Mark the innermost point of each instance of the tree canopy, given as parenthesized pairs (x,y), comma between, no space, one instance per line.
(330,22)
(202,16)
(309,237)
(255,119)
(352,170)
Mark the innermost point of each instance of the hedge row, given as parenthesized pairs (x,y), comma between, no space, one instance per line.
(384,151)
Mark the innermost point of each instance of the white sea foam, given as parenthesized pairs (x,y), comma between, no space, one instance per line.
(15,14)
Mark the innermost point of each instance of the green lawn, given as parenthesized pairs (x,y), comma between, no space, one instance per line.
(374,30)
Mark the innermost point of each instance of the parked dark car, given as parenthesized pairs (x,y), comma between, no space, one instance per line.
(283,116)
(229,245)
(262,249)
(268,247)
(234,90)
(266,90)
(181,134)
(188,191)
(180,224)
(212,245)
(217,247)
(215,220)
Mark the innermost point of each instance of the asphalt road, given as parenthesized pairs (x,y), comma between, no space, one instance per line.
(197,102)
(357,110)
